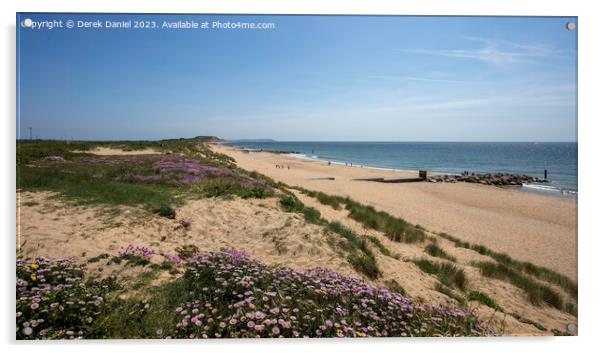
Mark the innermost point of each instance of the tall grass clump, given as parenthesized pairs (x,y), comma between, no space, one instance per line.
(536,292)
(436,251)
(325,199)
(441,288)
(539,272)
(394,228)
(448,274)
(381,247)
(483,299)
(524,320)
(360,257)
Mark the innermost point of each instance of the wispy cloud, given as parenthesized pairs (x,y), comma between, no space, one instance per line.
(422,79)
(496,51)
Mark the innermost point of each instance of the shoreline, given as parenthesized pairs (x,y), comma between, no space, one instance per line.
(539,189)
(528,226)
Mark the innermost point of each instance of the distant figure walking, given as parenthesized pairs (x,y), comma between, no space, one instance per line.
(545,174)
(329,163)
(288,167)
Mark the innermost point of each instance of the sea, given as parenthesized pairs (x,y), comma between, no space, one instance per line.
(528,158)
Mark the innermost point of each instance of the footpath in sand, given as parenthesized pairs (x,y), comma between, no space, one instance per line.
(529,227)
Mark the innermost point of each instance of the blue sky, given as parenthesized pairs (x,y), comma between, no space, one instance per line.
(331,78)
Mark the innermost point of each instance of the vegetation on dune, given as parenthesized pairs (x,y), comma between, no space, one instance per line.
(441,288)
(516,272)
(394,228)
(448,274)
(483,298)
(524,320)
(187,169)
(436,251)
(381,247)
(360,256)
(54,301)
(538,272)
(536,292)
(221,294)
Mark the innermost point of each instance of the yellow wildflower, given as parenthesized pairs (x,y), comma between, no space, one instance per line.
(33,266)
(34,277)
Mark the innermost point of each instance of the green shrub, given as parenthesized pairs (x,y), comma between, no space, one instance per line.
(165,211)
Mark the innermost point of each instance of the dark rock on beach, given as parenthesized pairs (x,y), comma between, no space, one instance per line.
(499,179)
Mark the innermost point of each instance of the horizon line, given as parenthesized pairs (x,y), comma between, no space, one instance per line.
(260,140)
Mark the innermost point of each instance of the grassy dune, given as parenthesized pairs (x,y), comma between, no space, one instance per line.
(203,289)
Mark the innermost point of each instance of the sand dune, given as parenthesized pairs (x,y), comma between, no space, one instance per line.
(529,227)
(57,229)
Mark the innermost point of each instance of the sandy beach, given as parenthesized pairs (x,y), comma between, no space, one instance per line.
(480,214)
(527,226)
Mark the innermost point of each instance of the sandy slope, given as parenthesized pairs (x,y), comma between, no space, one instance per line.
(53,228)
(527,226)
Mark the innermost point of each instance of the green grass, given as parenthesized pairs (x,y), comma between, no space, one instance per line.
(381,247)
(364,263)
(539,272)
(360,256)
(83,180)
(325,199)
(229,186)
(131,260)
(165,210)
(436,251)
(448,274)
(29,151)
(535,291)
(394,228)
(98,258)
(524,320)
(441,288)
(126,318)
(483,299)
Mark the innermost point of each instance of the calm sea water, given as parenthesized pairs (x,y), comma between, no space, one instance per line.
(559,158)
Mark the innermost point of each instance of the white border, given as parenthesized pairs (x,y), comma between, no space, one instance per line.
(589,168)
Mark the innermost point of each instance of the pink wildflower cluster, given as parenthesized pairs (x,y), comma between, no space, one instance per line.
(174,258)
(53,300)
(234,296)
(136,250)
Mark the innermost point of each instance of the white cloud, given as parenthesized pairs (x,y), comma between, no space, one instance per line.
(496,51)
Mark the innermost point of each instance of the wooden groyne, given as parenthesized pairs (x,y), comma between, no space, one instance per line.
(421,177)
